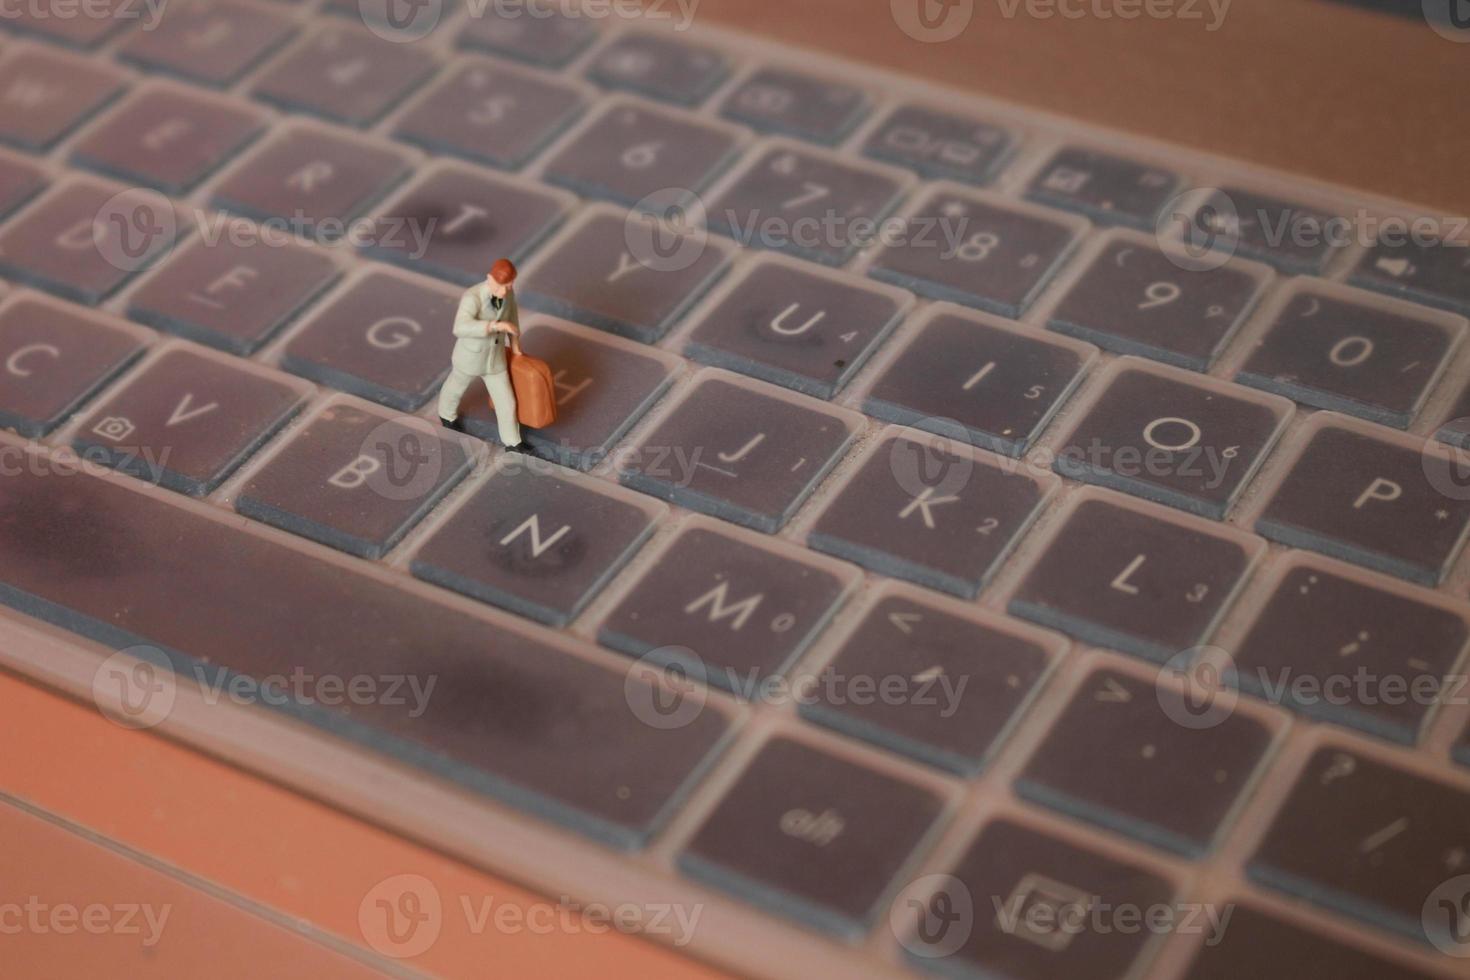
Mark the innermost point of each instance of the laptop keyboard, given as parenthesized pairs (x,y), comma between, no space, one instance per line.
(1020,424)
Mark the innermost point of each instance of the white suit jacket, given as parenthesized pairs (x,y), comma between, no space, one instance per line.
(475,353)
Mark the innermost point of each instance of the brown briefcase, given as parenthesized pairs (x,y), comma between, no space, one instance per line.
(530,377)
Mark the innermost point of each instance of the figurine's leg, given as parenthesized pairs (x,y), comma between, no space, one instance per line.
(454,388)
(503,397)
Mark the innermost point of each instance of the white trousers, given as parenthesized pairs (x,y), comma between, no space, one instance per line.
(502,396)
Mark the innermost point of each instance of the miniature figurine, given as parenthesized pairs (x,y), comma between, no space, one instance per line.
(486,324)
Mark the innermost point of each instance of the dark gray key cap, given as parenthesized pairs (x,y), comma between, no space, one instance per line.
(490,114)
(796,326)
(383,337)
(233,295)
(633,150)
(1462,748)
(603,386)
(547,41)
(513,713)
(1290,236)
(1136,299)
(1364,357)
(1034,899)
(1455,429)
(167,138)
(797,201)
(1320,631)
(455,220)
(105,19)
(1436,273)
(212,42)
(993,381)
(1370,501)
(1118,757)
(19,182)
(962,681)
(1134,579)
(1366,839)
(977,252)
(664,68)
(925,509)
(354,479)
(46,94)
(1257,944)
(52,357)
(535,542)
(738,452)
(1173,438)
(599,274)
(1108,189)
(187,420)
(725,610)
(82,239)
(774,100)
(812,836)
(318,177)
(941,145)
(347,76)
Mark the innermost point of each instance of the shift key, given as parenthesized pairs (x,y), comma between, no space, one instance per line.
(500,708)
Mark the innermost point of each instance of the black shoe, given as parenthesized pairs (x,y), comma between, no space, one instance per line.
(456,424)
(524,448)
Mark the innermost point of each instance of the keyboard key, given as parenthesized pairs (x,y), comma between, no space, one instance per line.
(796,326)
(632,150)
(399,25)
(104,19)
(213,42)
(817,207)
(46,94)
(1352,353)
(725,609)
(1119,757)
(1256,944)
(348,76)
(1435,272)
(1455,429)
(19,182)
(1292,237)
(603,386)
(235,294)
(514,713)
(1106,188)
(83,239)
(812,836)
(1391,839)
(454,220)
(748,454)
(1034,901)
(977,251)
(355,479)
(1322,630)
(940,145)
(53,356)
(1135,299)
(536,542)
(1370,500)
(964,678)
(1171,437)
(599,274)
(490,114)
(319,178)
(167,138)
(547,41)
(1134,578)
(664,68)
(1462,749)
(932,511)
(186,420)
(792,103)
(383,336)
(994,381)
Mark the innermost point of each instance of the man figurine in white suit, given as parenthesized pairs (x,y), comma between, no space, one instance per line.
(486,323)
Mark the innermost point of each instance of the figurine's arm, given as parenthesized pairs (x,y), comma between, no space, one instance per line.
(466,324)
